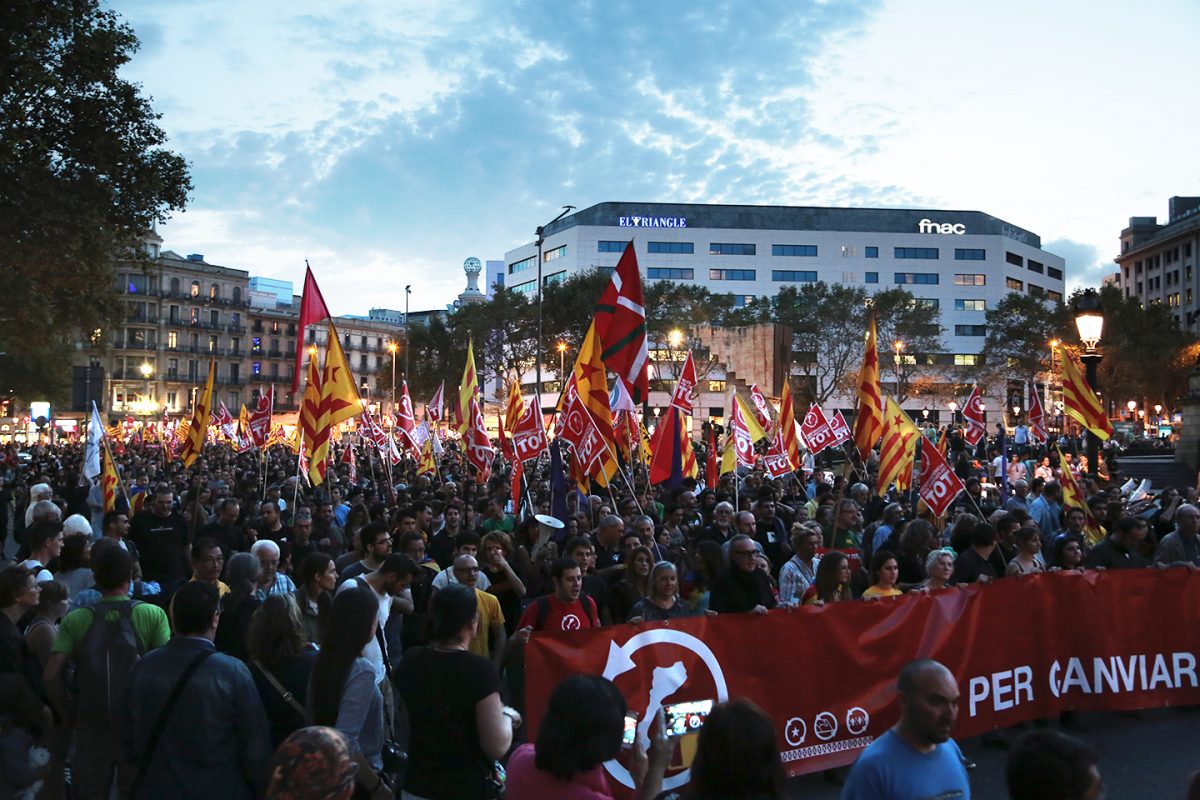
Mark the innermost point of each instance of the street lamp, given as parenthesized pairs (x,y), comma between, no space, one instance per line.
(391,346)
(541,239)
(953,412)
(1089,320)
(146,371)
(1132,406)
(562,364)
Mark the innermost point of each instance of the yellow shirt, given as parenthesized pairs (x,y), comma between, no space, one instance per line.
(489,613)
(875,591)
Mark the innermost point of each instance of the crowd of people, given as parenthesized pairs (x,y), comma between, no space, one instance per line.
(230,631)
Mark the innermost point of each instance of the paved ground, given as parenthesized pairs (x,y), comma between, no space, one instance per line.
(1147,757)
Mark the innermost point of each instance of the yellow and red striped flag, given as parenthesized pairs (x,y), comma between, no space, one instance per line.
(310,408)
(868,421)
(200,418)
(787,426)
(1073,498)
(1080,400)
(591,385)
(898,450)
(468,390)
(110,482)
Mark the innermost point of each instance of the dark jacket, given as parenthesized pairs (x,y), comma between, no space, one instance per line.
(738,591)
(217,743)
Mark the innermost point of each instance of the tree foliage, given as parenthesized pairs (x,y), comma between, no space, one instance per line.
(1019,331)
(83,174)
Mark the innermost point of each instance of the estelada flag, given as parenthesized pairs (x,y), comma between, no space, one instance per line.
(686,386)
(973,414)
(339,402)
(199,427)
(1037,416)
(939,484)
(516,405)
(427,465)
(868,422)
(762,411)
(1080,400)
(1073,498)
(310,409)
(312,310)
(898,449)
(621,325)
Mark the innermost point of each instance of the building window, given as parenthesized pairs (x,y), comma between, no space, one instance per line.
(1057,296)
(719,249)
(741,300)
(528,287)
(611,247)
(174,285)
(213,341)
(1035,266)
(809,250)
(928,302)
(1014,285)
(557,277)
(214,292)
(731,274)
(970,305)
(970,254)
(849,251)
(794,275)
(214,318)
(965,359)
(716,387)
(871,277)
(670,273)
(1014,259)
(916,252)
(926,278)
(237,294)
(522,265)
(970,279)
(255,345)
(674,248)
(555,254)
(871,252)
(1054,272)
(172,339)
(195,288)
(1036,290)
(172,400)
(256,368)
(970,330)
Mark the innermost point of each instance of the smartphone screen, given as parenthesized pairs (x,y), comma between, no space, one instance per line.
(627,739)
(682,718)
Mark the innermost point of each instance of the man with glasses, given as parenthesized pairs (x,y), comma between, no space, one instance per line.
(375,545)
(743,587)
(491,617)
(271,581)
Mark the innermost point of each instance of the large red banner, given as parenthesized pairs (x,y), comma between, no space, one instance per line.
(1022,648)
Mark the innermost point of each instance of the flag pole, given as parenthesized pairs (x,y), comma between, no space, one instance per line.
(299,458)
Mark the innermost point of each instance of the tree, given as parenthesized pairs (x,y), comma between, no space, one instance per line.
(83,176)
(909,336)
(673,313)
(829,324)
(1019,331)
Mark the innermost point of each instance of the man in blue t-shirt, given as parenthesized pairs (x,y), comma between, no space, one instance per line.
(916,759)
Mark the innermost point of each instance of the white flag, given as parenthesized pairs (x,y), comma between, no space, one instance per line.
(95,437)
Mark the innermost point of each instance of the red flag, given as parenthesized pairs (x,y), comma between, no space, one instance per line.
(260,418)
(312,310)
(839,429)
(711,474)
(518,472)
(1037,416)
(351,464)
(939,484)
(578,428)
(407,423)
(506,447)
(529,437)
(776,460)
(682,399)
(666,460)
(815,429)
(762,411)
(478,447)
(745,431)
(973,414)
(621,325)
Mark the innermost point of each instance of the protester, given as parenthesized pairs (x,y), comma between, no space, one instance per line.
(884,573)
(1048,765)
(832,581)
(73,569)
(940,566)
(1067,555)
(800,571)
(102,664)
(1119,550)
(45,541)
(1181,546)
(743,587)
(459,726)
(239,605)
(317,579)
(281,662)
(505,581)
(343,692)
(270,581)
(490,638)
(1029,548)
(916,758)
(184,693)
(633,585)
(663,602)
(313,763)
(162,537)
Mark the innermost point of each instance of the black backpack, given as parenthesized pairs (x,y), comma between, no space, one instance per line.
(103,662)
(543,608)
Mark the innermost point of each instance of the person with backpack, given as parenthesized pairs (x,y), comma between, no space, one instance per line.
(103,649)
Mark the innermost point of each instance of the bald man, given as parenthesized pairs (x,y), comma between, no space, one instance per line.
(916,758)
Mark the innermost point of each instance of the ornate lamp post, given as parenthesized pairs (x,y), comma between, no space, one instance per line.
(1089,320)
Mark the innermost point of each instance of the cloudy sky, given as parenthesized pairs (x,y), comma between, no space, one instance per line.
(387,141)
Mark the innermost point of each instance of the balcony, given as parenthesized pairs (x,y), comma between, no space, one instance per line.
(274,354)
(143,317)
(231,328)
(238,353)
(182,348)
(136,346)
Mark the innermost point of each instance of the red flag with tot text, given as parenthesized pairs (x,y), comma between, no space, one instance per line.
(815,430)
(686,387)
(1037,416)
(529,437)
(478,446)
(939,484)
(762,411)
(973,414)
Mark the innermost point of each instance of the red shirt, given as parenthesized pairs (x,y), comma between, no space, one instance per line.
(560,616)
